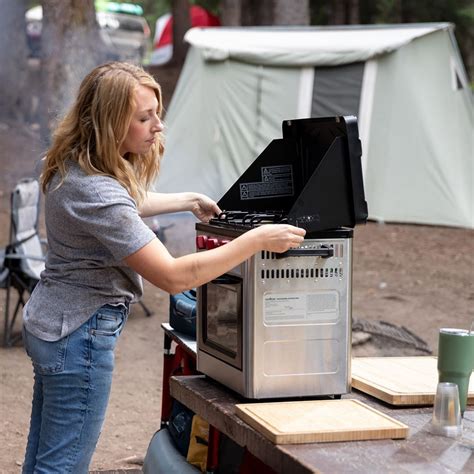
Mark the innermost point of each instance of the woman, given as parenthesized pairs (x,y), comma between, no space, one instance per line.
(104,156)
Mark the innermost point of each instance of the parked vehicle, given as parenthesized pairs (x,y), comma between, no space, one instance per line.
(124,31)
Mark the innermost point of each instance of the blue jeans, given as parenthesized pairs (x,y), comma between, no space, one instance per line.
(72,384)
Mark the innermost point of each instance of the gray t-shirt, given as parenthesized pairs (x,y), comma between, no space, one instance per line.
(92,224)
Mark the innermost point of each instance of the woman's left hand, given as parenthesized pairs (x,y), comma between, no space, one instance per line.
(204,208)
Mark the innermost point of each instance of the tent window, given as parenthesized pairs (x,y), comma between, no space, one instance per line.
(336,90)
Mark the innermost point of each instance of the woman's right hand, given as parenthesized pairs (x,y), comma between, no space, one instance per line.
(278,237)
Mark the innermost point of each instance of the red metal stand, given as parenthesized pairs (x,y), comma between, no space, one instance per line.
(213,450)
(179,363)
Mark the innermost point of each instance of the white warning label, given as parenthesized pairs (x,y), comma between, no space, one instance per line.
(277,181)
(300,308)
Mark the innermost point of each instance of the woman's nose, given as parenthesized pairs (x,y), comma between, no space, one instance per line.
(158,125)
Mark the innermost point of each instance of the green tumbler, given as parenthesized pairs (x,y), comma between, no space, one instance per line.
(456,359)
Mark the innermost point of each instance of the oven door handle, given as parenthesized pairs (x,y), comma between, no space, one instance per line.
(324,252)
(226,280)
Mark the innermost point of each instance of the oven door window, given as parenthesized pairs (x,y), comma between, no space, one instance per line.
(222,321)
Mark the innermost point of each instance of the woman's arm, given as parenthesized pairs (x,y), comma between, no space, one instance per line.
(161,203)
(173,275)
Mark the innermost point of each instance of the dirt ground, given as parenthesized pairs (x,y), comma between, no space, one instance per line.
(418,277)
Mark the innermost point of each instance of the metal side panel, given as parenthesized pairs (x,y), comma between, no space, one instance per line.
(301,323)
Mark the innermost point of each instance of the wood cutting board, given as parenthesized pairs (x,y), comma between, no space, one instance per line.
(319,421)
(400,380)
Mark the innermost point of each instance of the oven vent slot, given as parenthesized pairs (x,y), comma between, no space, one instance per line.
(300,273)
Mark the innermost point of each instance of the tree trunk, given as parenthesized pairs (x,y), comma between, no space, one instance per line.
(231,12)
(71,46)
(14,93)
(291,13)
(181,24)
(354,12)
(275,12)
(338,16)
(257,13)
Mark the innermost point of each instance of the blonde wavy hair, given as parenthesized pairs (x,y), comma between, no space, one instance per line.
(96,125)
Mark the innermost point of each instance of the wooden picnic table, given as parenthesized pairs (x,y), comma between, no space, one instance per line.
(421,452)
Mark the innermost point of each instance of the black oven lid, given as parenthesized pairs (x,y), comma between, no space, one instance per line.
(313,175)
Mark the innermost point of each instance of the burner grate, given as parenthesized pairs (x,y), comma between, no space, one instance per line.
(248,220)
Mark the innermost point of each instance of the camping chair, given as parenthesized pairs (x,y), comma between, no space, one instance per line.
(22,261)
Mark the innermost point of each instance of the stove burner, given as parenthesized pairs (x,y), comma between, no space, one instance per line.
(248,219)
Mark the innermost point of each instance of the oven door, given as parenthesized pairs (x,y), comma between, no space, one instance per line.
(220,305)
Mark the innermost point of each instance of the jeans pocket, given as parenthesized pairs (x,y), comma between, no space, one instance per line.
(47,357)
(109,320)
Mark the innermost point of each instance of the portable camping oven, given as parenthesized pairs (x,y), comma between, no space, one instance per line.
(279,325)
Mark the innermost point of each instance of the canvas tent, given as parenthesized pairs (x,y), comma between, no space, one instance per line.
(405,83)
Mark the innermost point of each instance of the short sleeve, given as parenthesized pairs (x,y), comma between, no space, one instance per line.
(108,213)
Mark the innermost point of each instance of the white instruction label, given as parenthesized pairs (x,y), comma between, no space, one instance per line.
(277,181)
(300,308)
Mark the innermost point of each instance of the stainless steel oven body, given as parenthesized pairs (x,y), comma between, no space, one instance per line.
(279,327)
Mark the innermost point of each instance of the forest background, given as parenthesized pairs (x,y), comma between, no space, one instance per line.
(71,43)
